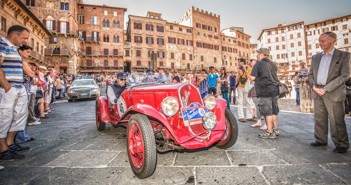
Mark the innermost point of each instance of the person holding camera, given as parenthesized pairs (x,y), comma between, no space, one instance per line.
(243,99)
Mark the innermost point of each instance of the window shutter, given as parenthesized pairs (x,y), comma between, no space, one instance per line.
(98,37)
(84,35)
(51,40)
(53,25)
(44,22)
(58,26)
(67,27)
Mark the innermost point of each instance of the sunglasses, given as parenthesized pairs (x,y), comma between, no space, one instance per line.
(122,79)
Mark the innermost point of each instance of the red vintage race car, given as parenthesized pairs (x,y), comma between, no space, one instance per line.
(161,118)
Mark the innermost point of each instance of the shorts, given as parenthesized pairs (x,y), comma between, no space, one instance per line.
(268,106)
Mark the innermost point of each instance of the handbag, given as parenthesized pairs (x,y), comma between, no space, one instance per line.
(224,88)
(283,89)
(242,80)
(39,94)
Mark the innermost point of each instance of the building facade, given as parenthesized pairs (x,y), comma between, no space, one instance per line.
(16,13)
(340,25)
(100,32)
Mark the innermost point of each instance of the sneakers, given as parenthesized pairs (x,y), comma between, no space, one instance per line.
(276,132)
(10,155)
(252,119)
(1,167)
(17,147)
(256,125)
(34,123)
(267,135)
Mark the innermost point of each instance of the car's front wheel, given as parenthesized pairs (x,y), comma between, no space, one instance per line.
(141,146)
(231,134)
(99,125)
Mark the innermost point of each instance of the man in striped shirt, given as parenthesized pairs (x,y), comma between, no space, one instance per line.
(13,95)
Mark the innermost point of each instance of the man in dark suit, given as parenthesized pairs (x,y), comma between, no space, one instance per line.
(329,71)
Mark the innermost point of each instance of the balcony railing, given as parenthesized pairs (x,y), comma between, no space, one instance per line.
(57,52)
(90,39)
(101,53)
(37,56)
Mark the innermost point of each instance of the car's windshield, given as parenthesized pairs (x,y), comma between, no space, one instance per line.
(83,83)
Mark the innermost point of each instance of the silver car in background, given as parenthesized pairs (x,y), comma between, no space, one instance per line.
(83,89)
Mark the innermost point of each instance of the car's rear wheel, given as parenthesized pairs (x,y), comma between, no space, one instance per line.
(231,134)
(99,125)
(141,146)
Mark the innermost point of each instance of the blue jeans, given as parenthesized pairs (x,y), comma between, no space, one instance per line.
(212,90)
(226,97)
(297,90)
(203,95)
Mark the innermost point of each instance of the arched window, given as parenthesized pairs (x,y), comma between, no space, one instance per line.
(116,39)
(116,24)
(106,23)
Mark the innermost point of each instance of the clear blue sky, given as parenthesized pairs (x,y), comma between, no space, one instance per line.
(253,15)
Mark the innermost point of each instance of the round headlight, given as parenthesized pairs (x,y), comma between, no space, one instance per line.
(170,106)
(210,120)
(210,102)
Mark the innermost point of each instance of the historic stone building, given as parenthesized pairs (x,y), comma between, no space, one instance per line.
(101,32)
(339,25)
(15,12)
(195,42)
(62,50)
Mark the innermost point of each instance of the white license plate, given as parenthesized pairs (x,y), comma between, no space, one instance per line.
(84,94)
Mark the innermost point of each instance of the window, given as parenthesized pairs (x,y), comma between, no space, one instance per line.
(181,41)
(127,53)
(268,41)
(116,39)
(116,24)
(171,27)
(55,40)
(299,43)
(161,54)
(172,65)
(188,30)
(115,52)
(88,50)
(291,36)
(278,56)
(291,45)
(189,42)
(298,35)
(105,63)
(105,12)
(334,28)
(149,27)
(344,27)
(94,20)
(49,25)
(63,28)
(37,48)
(138,53)
(115,63)
(149,40)
(183,56)
(138,26)
(160,29)
(346,41)
(188,65)
(95,36)
(277,47)
(115,14)
(283,38)
(138,63)
(105,51)
(276,39)
(30,2)
(172,55)
(64,6)
(300,53)
(190,57)
(138,39)
(106,23)
(89,63)
(171,40)
(198,25)
(160,41)
(215,59)
(202,58)
(283,46)
(81,19)
(292,54)
(161,63)
(180,29)
(106,38)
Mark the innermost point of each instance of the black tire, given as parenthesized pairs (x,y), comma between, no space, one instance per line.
(69,100)
(99,125)
(230,140)
(150,156)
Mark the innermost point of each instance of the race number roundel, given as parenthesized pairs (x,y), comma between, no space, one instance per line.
(122,107)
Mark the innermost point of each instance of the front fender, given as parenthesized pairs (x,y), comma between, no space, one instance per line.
(151,112)
(104,109)
(219,111)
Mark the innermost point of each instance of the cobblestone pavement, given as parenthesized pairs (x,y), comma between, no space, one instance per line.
(69,150)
